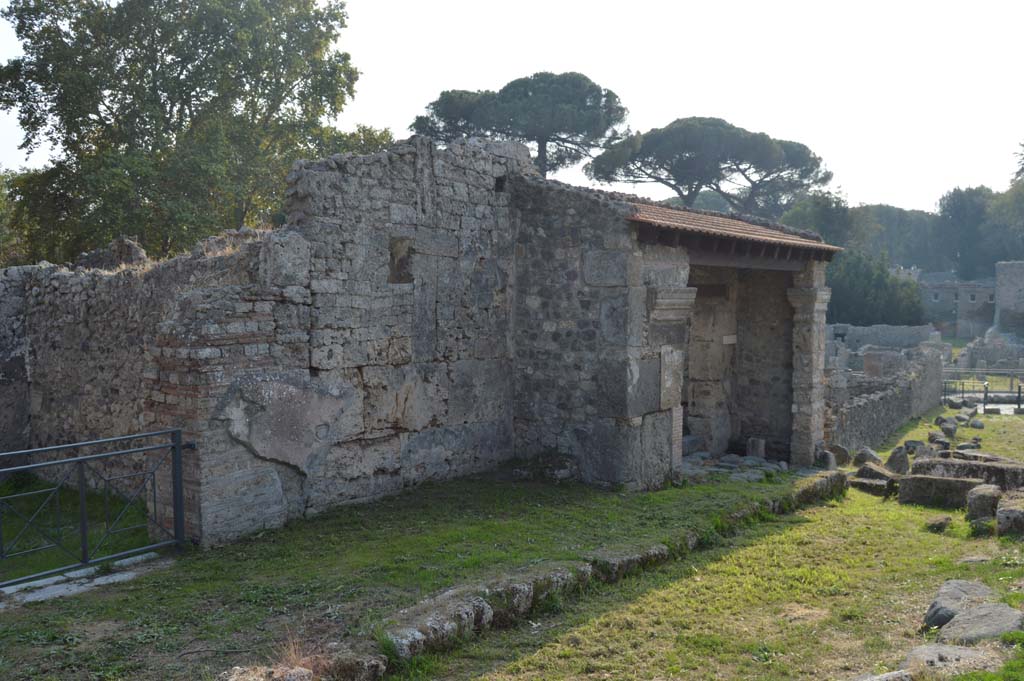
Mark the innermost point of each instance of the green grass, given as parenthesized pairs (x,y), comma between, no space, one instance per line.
(1002,435)
(56,512)
(341,572)
(832,592)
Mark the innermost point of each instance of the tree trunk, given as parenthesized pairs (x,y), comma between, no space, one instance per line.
(542,157)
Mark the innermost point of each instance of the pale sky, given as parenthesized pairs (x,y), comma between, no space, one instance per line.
(903,99)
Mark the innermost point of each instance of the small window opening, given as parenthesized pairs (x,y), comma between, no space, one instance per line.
(973,298)
(499,184)
(935,297)
(991,297)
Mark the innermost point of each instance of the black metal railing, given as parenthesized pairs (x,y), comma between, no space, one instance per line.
(111,494)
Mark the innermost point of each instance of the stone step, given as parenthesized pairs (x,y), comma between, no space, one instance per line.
(1005,474)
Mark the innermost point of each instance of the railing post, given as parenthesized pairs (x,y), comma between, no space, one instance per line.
(984,401)
(83,513)
(1018,395)
(178,492)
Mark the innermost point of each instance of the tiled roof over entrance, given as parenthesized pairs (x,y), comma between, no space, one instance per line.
(723,226)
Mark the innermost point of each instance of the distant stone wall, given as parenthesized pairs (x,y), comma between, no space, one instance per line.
(883,335)
(1010,297)
(866,410)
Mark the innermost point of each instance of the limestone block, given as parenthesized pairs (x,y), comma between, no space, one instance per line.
(358,470)
(1010,514)
(673,363)
(287,420)
(982,622)
(933,491)
(982,501)
(284,260)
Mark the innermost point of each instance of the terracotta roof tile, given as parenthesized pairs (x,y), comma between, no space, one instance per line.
(698,222)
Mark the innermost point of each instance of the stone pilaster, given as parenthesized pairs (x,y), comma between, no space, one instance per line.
(809,306)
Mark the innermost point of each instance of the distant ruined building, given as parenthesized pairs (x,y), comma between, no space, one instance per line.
(427,313)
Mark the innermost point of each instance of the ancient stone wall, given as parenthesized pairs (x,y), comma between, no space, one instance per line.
(866,409)
(713,336)
(14,396)
(599,354)
(883,335)
(1010,297)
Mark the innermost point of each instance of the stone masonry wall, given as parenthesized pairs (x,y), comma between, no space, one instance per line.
(763,394)
(883,335)
(865,415)
(599,354)
(14,396)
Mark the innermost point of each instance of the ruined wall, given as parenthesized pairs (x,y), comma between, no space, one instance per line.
(14,396)
(1010,297)
(884,335)
(599,354)
(762,401)
(865,410)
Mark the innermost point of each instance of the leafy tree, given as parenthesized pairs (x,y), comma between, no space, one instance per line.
(909,237)
(562,115)
(752,172)
(11,246)
(1019,175)
(171,119)
(962,213)
(865,293)
(830,215)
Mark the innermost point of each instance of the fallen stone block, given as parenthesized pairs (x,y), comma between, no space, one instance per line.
(962,418)
(879,488)
(955,596)
(982,501)
(938,657)
(1005,475)
(820,487)
(934,435)
(874,471)
(928,490)
(841,454)
(899,462)
(964,446)
(977,424)
(911,447)
(995,411)
(982,622)
(865,455)
(1010,514)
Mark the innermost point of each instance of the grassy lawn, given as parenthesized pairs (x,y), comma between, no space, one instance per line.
(56,514)
(831,592)
(1002,435)
(342,571)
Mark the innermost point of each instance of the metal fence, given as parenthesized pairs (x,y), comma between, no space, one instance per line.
(997,387)
(84,507)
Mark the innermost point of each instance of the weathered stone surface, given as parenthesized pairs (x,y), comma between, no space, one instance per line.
(1010,514)
(948,429)
(866,455)
(898,462)
(950,660)
(1003,474)
(982,501)
(955,596)
(977,423)
(928,490)
(278,673)
(841,454)
(982,622)
(876,486)
(876,472)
